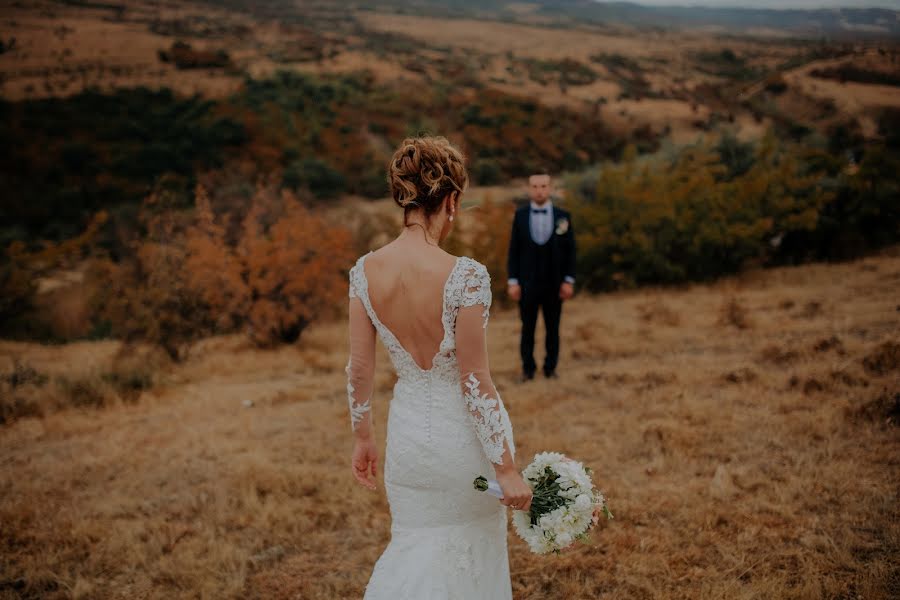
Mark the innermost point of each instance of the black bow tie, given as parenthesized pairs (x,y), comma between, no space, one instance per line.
(540,211)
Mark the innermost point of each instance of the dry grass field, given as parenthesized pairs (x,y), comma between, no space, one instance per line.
(746,434)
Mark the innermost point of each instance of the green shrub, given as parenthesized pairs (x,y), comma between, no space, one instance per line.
(688,218)
(485,171)
(315,175)
(75,156)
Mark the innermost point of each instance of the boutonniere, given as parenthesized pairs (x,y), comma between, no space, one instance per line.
(562,226)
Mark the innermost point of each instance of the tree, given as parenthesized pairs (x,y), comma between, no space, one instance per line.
(146,296)
(186,279)
(693,217)
(315,175)
(285,271)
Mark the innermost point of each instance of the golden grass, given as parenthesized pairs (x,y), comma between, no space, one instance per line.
(61,51)
(523,40)
(856,100)
(754,461)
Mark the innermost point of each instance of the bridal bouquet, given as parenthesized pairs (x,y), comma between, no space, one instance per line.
(564,506)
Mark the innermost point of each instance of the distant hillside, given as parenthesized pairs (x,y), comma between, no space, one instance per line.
(841,22)
(106,101)
(832,23)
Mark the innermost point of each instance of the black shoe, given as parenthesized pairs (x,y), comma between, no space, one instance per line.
(551,375)
(524,377)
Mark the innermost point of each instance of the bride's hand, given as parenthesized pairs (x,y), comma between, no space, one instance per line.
(516,493)
(365,462)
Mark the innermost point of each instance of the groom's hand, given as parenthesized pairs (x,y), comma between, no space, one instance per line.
(515,291)
(566,290)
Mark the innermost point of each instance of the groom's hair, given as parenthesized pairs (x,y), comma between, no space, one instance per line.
(423,171)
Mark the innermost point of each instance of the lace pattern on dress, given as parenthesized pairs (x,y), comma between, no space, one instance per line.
(357,410)
(472,285)
(485,412)
(357,280)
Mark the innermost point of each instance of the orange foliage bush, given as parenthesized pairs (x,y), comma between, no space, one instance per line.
(146,297)
(284,271)
(188,279)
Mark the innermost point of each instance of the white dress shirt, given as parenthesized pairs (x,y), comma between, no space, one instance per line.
(540,222)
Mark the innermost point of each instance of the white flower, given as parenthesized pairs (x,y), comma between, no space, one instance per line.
(583,502)
(560,527)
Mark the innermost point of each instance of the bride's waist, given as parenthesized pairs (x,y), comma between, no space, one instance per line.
(425,387)
(417,401)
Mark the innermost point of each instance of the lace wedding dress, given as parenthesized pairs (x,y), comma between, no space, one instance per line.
(446,426)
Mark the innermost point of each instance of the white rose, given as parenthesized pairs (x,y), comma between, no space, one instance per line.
(583,502)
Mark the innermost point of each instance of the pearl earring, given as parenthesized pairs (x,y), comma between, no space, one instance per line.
(451,218)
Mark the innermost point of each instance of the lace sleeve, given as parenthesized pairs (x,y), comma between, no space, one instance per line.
(355,275)
(477,290)
(361,366)
(482,399)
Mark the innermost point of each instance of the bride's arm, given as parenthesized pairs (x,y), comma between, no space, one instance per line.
(481,397)
(360,378)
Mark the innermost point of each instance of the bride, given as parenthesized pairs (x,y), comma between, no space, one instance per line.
(446,422)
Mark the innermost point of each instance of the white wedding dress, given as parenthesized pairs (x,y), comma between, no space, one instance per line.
(446,426)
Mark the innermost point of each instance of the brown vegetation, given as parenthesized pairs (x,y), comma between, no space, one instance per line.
(229,478)
(884,359)
(188,277)
(733,313)
(183,56)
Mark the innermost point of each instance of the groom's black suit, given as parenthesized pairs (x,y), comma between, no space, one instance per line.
(540,271)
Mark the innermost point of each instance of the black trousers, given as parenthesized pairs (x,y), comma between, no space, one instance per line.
(546,301)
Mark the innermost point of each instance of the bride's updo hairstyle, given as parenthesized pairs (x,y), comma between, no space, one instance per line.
(423,171)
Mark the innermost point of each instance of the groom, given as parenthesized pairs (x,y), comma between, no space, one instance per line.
(541,269)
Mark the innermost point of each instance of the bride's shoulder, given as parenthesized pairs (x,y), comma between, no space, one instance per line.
(357,266)
(474,283)
(357,276)
(470,266)
(475,280)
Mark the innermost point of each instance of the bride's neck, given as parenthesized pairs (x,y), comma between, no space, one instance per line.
(418,232)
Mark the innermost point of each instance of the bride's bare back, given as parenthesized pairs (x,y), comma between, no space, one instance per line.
(406,287)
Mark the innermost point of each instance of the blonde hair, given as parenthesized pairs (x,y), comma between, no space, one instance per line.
(423,171)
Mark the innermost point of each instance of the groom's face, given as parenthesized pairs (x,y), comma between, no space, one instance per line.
(539,188)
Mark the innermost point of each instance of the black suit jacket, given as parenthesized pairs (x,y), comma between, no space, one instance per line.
(522,260)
